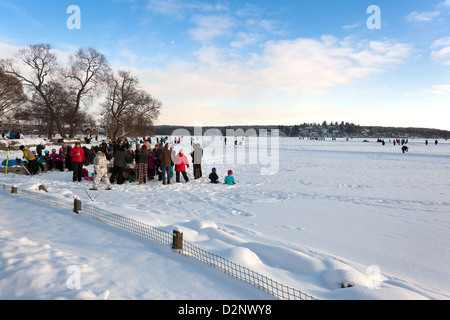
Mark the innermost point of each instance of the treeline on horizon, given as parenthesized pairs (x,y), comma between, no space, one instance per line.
(324,130)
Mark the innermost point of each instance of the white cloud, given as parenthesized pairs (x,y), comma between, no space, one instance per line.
(442,89)
(8,51)
(441,51)
(267,25)
(209,55)
(441,42)
(209,27)
(422,16)
(314,64)
(245,39)
(129,56)
(174,8)
(181,9)
(442,56)
(351,26)
(446,3)
(284,72)
(429,15)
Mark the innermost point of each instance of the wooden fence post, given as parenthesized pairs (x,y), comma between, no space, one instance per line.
(77,206)
(177,240)
(14,190)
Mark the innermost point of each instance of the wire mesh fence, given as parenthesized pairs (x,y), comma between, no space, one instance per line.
(268,285)
(131,226)
(62,203)
(145,231)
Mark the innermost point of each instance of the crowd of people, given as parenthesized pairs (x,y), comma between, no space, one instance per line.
(403,143)
(142,162)
(12,135)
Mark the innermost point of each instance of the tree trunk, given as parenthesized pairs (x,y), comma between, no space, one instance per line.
(50,129)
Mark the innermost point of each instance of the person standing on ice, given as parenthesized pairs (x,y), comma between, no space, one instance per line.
(77,155)
(197,155)
(166,162)
(120,157)
(181,162)
(143,164)
(100,169)
(40,148)
(172,172)
(59,164)
(52,163)
(158,169)
(151,164)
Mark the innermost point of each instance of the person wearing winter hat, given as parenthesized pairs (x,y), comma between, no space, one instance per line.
(151,164)
(46,159)
(39,148)
(197,155)
(101,170)
(52,161)
(120,157)
(59,161)
(229,179)
(213,176)
(158,169)
(32,164)
(181,162)
(78,157)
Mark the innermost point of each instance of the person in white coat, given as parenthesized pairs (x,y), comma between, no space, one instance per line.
(101,170)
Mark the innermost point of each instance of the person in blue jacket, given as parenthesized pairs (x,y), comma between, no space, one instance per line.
(229,179)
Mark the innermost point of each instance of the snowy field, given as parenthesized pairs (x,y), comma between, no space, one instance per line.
(312,215)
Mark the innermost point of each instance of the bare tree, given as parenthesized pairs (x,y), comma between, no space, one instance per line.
(128,110)
(61,95)
(11,92)
(140,119)
(87,70)
(75,85)
(40,67)
(59,98)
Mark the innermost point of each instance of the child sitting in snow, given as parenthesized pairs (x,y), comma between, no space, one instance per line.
(213,176)
(48,159)
(229,179)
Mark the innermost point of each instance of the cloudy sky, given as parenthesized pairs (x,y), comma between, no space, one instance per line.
(259,62)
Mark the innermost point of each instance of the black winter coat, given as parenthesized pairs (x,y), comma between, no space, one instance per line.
(120,157)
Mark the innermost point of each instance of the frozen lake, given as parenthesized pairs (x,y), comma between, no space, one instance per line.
(311,214)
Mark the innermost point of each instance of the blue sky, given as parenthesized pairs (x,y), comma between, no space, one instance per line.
(261,62)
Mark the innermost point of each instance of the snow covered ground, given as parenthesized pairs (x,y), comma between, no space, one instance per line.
(329,213)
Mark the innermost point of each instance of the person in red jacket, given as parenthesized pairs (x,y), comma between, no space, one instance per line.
(77,155)
(181,161)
